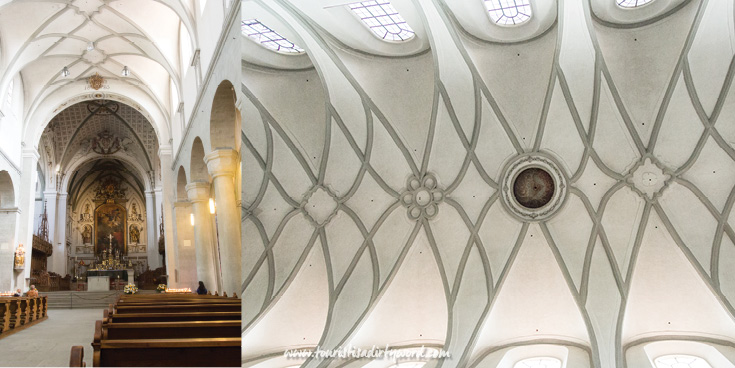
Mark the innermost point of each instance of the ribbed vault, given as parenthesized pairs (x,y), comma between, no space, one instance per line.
(638,112)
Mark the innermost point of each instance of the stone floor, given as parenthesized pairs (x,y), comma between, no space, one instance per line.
(47,344)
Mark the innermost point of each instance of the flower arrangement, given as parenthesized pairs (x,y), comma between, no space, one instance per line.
(161,288)
(130,289)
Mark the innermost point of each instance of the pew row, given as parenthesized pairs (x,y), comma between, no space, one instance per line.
(17,313)
(183,330)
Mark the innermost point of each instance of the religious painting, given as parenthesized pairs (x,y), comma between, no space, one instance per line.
(110,227)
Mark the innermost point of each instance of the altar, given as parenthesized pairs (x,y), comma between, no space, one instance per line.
(98,283)
(124,275)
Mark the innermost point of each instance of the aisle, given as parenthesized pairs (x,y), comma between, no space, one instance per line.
(48,343)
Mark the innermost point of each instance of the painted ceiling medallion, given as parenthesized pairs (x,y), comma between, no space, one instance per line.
(422,197)
(96,81)
(534,187)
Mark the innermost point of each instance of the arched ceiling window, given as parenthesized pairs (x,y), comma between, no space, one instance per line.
(540,362)
(267,37)
(632,3)
(681,361)
(383,19)
(508,12)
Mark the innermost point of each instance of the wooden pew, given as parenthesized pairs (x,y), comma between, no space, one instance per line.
(4,315)
(76,359)
(197,352)
(170,330)
(19,312)
(173,317)
(176,308)
(178,343)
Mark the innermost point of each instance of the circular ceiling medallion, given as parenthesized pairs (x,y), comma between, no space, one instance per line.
(533,187)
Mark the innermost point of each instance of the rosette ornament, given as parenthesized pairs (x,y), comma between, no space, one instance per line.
(422,197)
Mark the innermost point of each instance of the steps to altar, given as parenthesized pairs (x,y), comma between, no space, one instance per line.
(84,299)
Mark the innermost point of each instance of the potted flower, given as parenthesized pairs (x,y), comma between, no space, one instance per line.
(130,289)
(161,288)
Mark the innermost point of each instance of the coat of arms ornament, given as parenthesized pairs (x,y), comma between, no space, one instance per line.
(96,81)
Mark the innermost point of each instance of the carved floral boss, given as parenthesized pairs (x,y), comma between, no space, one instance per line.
(422,197)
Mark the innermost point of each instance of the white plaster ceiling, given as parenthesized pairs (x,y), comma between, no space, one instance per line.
(638,112)
(40,38)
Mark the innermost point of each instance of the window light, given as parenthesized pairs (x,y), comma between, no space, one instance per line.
(383,19)
(540,362)
(632,3)
(509,12)
(681,361)
(267,37)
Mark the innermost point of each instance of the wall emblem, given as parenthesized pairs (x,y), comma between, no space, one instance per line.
(96,81)
(106,144)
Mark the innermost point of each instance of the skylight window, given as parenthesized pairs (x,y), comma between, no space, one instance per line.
(681,361)
(383,19)
(632,3)
(539,363)
(510,12)
(267,37)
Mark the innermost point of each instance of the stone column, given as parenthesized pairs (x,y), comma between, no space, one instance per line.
(184,253)
(154,259)
(222,165)
(198,193)
(25,224)
(167,185)
(59,262)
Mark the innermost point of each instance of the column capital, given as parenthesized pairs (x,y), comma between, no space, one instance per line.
(182,204)
(31,153)
(49,193)
(165,150)
(198,191)
(222,162)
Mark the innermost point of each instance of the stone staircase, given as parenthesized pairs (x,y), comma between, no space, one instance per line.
(84,299)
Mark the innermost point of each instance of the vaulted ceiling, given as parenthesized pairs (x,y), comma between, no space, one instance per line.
(40,38)
(635,109)
(71,134)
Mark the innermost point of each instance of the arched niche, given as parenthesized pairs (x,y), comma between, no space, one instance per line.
(181,185)
(198,168)
(7,192)
(224,121)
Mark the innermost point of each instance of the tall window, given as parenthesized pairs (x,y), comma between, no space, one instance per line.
(632,3)
(267,37)
(383,19)
(540,362)
(509,12)
(681,361)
